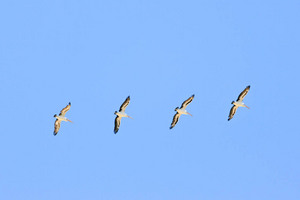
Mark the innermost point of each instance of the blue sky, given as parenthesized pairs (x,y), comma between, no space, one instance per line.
(96,53)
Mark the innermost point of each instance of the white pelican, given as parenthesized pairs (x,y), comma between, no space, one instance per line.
(181,111)
(238,103)
(61,117)
(121,114)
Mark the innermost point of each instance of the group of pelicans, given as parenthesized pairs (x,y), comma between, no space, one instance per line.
(179,111)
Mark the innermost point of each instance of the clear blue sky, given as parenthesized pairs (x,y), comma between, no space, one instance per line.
(96,53)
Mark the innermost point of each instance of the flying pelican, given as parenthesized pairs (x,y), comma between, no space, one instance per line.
(238,102)
(181,111)
(121,114)
(61,117)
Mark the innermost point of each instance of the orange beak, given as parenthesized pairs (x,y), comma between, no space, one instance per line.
(69,120)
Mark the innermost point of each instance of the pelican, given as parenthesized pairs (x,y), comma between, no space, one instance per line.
(61,117)
(238,102)
(121,114)
(181,111)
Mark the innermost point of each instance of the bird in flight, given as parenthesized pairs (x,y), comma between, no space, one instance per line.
(121,114)
(238,102)
(181,111)
(61,117)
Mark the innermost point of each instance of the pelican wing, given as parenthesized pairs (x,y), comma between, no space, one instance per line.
(117,124)
(243,94)
(187,102)
(65,109)
(56,126)
(125,104)
(175,120)
(232,112)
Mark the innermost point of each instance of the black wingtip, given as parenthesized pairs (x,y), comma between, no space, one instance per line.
(54,133)
(171,127)
(193,95)
(248,86)
(69,103)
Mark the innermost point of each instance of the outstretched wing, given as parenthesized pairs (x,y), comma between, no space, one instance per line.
(117,124)
(232,112)
(56,126)
(125,104)
(243,94)
(175,120)
(65,109)
(187,102)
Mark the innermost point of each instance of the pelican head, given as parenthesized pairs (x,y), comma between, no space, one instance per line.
(232,102)
(55,115)
(176,108)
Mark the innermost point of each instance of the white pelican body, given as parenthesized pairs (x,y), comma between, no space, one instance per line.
(238,103)
(181,111)
(121,114)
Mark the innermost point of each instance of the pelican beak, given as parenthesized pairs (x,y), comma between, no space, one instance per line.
(247,107)
(69,120)
(189,113)
(129,117)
